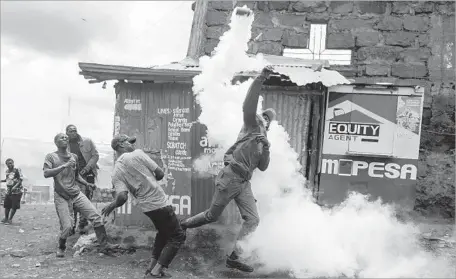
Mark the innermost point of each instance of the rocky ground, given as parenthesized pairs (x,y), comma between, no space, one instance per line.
(27,250)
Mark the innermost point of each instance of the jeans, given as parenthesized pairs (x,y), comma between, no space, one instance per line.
(230,186)
(64,210)
(170,235)
(90,178)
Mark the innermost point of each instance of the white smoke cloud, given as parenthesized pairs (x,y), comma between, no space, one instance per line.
(357,238)
(221,103)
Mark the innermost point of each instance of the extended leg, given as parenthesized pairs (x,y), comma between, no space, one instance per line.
(221,198)
(88,210)
(248,209)
(64,211)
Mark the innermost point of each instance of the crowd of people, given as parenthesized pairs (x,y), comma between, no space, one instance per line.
(73,167)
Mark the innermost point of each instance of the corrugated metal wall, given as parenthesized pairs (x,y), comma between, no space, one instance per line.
(297,112)
(147,111)
(160,116)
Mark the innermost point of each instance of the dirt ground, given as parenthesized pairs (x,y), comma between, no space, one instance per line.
(27,250)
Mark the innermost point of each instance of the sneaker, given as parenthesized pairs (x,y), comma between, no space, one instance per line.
(60,253)
(4,220)
(238,264)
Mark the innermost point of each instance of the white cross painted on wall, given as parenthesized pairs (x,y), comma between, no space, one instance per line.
(316,48)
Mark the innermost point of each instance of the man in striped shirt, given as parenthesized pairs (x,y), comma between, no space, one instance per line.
(136,173)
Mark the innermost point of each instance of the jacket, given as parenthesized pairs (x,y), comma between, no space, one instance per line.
(89,152)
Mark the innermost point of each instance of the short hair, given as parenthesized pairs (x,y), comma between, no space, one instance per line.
(9,160)
(71,125)
(57,136)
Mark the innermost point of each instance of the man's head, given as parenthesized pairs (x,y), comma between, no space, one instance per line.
(9,163)
(61,140)
(72,132)
(123,143)
(268,116)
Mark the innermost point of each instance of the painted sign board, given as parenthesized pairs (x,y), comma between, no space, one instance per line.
(371,143)
(161,117)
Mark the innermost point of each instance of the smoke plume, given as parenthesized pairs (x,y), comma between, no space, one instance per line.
(357,238)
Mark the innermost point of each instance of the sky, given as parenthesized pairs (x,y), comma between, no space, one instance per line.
(43,41)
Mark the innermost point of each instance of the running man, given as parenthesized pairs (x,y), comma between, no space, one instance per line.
(63,167)
(250,151)
(135,172)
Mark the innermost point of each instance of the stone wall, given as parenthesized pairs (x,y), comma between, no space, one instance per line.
(409,43)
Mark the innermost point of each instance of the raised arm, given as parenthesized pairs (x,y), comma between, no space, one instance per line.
(250,105)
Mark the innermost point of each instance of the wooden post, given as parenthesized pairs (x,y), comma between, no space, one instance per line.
(315,140)
(198,29)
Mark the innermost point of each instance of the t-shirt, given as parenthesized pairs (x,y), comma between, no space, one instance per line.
(64,182)
(134,172)
(12,177)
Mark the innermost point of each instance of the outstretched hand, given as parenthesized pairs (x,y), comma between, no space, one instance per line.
(107,210)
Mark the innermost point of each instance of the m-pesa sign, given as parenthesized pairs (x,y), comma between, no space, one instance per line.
(346,167)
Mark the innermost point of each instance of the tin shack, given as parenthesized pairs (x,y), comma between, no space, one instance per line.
(345,140)
(158,107)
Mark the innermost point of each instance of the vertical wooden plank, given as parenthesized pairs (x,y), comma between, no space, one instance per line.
(314,139)
(305,134)
(197,34)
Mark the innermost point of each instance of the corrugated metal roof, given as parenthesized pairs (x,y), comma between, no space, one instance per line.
(189,63)
(302,76)
(298,70)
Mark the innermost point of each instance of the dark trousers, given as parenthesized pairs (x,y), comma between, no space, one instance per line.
(90,178)
(170,235)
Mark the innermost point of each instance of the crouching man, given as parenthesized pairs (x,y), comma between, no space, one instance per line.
(62,166)
(135,172)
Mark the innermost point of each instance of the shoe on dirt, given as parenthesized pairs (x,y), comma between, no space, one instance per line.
(237,264)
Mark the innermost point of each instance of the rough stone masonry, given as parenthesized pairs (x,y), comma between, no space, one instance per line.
(407,43)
